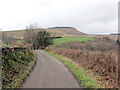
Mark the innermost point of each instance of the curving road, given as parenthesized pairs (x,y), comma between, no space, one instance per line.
(50,73)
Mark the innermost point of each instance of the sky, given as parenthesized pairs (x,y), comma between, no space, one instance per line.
(89,16)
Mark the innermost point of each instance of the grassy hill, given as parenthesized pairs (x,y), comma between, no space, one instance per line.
(55,31)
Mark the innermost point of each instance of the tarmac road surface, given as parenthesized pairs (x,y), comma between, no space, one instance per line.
(50,73)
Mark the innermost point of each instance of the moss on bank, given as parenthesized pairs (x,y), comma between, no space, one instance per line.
(16,66)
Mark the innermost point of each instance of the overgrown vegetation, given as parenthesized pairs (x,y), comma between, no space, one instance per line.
(82,75)
(99,56)
(16,66)
(97,44)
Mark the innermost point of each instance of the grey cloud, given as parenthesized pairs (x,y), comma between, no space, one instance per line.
(90,17)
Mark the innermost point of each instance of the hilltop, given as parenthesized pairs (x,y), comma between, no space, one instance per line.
(68,30)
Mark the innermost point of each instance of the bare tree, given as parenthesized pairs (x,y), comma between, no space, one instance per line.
(30,33)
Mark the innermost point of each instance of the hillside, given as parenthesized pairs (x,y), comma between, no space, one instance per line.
(68,30)
(55,31)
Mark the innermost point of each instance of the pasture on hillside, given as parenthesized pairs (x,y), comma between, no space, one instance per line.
(65,40)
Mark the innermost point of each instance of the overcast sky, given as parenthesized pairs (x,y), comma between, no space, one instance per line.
(89,16)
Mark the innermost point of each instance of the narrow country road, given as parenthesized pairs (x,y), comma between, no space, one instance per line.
(50,73)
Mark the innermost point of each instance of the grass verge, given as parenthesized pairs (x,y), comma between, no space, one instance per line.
(82,76)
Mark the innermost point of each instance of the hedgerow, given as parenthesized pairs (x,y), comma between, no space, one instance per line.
(16,65)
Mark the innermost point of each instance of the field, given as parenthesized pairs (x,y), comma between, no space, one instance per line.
(65,40)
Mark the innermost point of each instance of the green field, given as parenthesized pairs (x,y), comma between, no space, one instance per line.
(65,40)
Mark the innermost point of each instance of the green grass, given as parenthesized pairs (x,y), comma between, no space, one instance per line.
(65,40)
(82,76)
